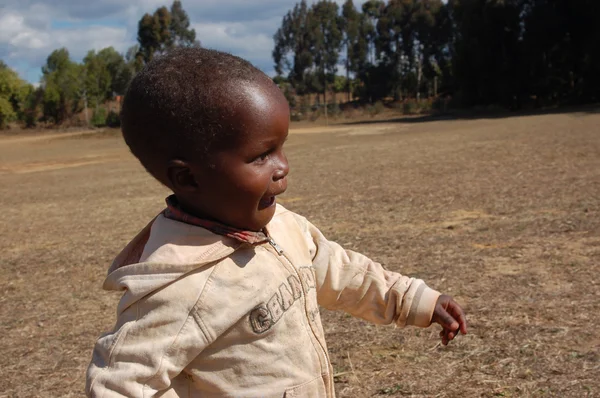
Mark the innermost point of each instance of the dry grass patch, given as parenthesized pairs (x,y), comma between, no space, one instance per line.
(504,214)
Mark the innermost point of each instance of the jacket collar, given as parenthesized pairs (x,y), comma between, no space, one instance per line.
(174,212)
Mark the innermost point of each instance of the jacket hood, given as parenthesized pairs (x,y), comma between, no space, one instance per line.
(161,253)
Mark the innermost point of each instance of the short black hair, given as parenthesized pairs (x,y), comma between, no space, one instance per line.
(179,105)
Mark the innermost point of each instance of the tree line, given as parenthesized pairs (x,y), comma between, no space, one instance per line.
(509,53)
(68,87)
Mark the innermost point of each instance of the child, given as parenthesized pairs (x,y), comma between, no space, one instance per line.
(221,290)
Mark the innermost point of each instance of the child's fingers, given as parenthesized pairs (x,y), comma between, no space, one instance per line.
(446,320)
(444,337)
(459,315)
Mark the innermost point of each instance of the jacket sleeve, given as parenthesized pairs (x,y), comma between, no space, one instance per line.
(154,340)
(353,283)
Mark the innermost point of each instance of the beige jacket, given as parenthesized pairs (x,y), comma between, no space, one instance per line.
(203,315)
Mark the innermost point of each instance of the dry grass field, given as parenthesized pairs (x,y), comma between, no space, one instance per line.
(502,213)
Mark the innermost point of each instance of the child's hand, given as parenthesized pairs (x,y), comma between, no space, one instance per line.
(451,316)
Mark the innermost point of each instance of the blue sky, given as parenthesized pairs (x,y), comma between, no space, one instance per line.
(30,30)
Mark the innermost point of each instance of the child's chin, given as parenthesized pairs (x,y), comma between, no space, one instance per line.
(264,216)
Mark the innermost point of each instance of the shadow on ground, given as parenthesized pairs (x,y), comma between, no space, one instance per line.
(478,115)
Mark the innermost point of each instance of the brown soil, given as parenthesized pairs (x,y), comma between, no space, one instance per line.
(504,214)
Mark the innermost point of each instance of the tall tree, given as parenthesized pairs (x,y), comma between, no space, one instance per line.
(13,95)
(398,39)
(163,30)
(560,50)
(134,59)
(350,24)
(487,51)
(97,78)
(120,73)
(293,53)
(327,42)
(432,36)
(61,91)
(154,34)
(372,10)
(181,34)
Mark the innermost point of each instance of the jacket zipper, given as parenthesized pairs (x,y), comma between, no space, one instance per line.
(280,252)
(277,248)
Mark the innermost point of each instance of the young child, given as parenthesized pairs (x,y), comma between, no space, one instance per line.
(221,291)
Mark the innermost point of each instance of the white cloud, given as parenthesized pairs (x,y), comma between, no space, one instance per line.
(26,46)
(251,40)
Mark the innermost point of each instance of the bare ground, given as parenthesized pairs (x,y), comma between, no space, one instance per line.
(504,214)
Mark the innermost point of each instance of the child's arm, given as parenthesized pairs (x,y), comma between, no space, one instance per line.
(154,340)
(351,282)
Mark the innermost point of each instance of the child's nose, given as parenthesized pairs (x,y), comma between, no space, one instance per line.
(283,168)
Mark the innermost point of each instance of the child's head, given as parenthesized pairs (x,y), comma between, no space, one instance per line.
(211,127)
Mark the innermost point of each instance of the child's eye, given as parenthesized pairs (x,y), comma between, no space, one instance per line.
(262,158)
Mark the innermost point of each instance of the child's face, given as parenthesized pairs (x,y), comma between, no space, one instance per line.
(240,189)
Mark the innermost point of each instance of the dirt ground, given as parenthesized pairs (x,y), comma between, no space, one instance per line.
(502,213)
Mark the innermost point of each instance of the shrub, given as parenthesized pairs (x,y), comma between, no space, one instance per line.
(315,115)
(334,110)
(296,116)
(397,106)
(376,108)
(7,113)
(439,104)
(30,118)
(99,117)
(426,105)
(410,107)
(113,119)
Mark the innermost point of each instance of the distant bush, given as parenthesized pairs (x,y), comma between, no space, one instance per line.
(334,110)
(426,105)
(315,115)
(397,106)
(410,107)
(113,119)
(30,118)
(439,104)
(296,116)
(99,117)
(376,108)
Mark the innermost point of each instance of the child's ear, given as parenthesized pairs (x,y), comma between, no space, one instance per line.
(181,176)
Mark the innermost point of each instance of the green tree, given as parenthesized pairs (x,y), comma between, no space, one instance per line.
(181,34)
(350,25)
(293,52)
(97,79)
(398,39)
(324,24)
(119,71)
(372,10)
(61,80)
(154,34)
(13,95)
(134,59)
(487,51)
(163,30)
(560,53)
(430,24)
(373,76)
(33,103)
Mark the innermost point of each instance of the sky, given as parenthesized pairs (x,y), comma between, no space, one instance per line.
(30,29)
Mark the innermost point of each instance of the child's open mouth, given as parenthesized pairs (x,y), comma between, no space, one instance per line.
(266,202)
